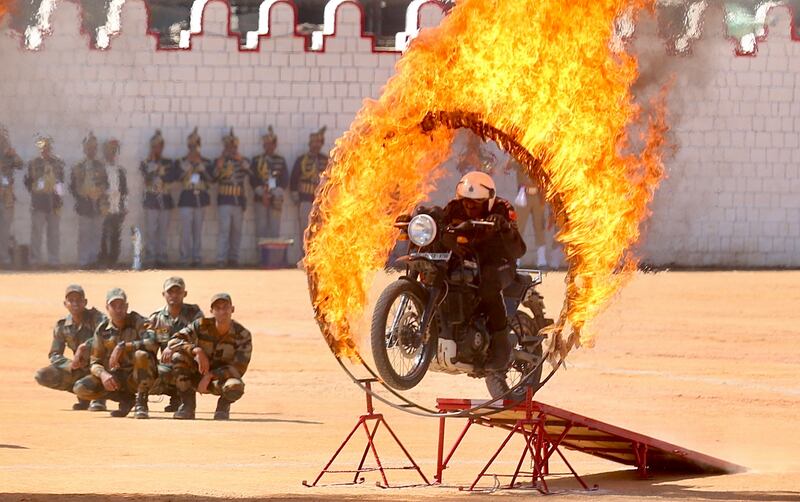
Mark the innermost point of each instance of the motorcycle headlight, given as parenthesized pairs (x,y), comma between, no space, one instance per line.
(422,230)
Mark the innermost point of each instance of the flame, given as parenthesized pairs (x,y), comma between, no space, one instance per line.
(539,78)
(6,6)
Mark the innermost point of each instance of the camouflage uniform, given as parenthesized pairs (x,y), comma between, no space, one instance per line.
(158,173)
(59,375)
(230,172)
(137,370)
(228,356)
(269,179)
(306,177)
(9,162)
(164,326)
(45,182)
(89,185)
(195,178)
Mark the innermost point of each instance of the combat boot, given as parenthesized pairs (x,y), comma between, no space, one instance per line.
(188,405)
(500,349)
(223,411)
(97,405)
(125,405)
(174,403)
(82,404)
(141,410)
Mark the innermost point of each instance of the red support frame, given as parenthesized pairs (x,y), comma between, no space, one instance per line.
(370,446)
(538,444)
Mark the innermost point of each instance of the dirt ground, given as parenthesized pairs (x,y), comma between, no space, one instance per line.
(709,361)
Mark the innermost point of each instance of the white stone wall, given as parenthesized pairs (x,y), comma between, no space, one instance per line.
(732,197)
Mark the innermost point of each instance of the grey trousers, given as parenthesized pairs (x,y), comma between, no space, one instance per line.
(268,221)
(230,234)
(156,222)
(41,222)
(90,233)
(6,219)
(191,247)
(303,213)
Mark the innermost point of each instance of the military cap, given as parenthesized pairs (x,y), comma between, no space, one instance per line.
(43,141)
(230,138)
(157,138)
(220,296)
(194,138)
(90,139)
(116,294)
(318,135)
(174,281)
(270,135)
(74,288)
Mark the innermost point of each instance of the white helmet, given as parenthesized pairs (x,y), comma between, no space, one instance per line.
(477,185)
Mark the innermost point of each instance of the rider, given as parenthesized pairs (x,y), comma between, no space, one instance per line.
(497,247)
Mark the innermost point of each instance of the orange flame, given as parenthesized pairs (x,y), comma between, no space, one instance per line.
(541,80)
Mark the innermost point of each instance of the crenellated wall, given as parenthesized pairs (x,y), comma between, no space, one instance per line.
(732,196)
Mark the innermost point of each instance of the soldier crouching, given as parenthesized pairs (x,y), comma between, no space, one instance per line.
(210,355)
(74,331)
(123,361)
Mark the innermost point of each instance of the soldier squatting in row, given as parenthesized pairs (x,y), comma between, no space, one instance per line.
(99,186)
(116,356)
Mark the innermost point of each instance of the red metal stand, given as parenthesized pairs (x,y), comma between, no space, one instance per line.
(539,445)
(370,446)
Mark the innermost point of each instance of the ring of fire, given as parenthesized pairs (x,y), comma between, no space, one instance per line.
(553,93)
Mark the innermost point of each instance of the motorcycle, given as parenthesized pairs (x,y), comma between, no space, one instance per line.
(427,319)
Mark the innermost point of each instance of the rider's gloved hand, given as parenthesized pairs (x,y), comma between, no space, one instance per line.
(501,224)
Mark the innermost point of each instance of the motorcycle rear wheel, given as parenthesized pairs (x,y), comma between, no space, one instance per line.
(393,346)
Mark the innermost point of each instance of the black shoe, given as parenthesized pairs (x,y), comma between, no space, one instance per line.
(97,405)
(500,348)
(81,405)
(125,405)
(174,403)
(223,411)
(188,405)
(141,410)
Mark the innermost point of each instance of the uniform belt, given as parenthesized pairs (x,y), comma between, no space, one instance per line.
(308,187)
(231,190)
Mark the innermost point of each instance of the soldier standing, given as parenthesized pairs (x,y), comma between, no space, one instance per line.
(89,185)
(74,331)
(269,179)
(158,172)
(230,172)
(211,355)
(123,361)
(529,204)
(306,176)
(194,172)
(9,162)
(45,181)
(164,323)
(117,193)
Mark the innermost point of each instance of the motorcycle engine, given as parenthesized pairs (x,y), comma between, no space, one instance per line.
(472,344)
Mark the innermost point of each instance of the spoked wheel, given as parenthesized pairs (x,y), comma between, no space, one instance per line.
(402,353)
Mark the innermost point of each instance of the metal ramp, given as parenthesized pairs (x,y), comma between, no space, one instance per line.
(548,429)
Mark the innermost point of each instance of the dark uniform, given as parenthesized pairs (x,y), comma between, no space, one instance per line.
(230,172)
(228,356)
(158,173)
(269,179)
(59,375)
(45,182)
(497,252)
(89,186)
(137,371)
(9,162)
(306,177)
(195,178)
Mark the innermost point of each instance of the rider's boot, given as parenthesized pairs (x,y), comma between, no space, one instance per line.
(500,348)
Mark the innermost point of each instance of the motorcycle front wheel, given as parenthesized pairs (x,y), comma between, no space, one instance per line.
(401,352)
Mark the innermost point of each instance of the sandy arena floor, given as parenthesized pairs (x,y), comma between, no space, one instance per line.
(709,361)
